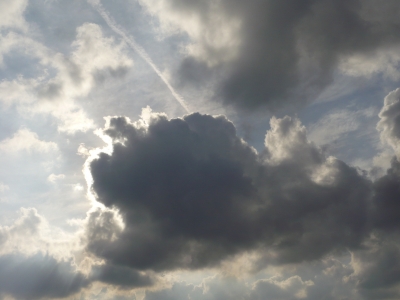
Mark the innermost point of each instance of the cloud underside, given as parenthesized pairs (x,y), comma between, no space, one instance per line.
(192,195)
(273,53)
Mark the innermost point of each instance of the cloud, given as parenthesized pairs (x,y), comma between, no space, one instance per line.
(53,177)
(336,124)
(386,62)
(93,59)
(31,233)
(291,288)
(389,124)
(26,140)
(19,90)
(95,52)
(11,14)
(23,245)
(3,187)
(269,53)
(137,48)
(121,276)
(192,194)
(377,268)
(329,279)
(27,225)
(38,276)
(386,194)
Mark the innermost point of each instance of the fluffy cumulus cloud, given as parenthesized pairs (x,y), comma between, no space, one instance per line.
(270,53)
(192,193)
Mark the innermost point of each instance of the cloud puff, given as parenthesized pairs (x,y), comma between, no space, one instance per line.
(191,194)
(11,14)
(27,225)
(53,177)
(26,140)
(19,90)
(271,53)
(389,124)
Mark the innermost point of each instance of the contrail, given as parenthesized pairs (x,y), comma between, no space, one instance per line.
(136,47)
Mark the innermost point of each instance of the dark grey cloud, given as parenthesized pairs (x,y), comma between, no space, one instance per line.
(38,276)
(286,52)
(378,264)
(191,194)
(377,268)
(387,199)
(120,276)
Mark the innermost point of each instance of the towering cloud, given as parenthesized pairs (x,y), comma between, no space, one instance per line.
(191,193)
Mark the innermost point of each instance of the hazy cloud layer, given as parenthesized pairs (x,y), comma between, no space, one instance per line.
(273,53)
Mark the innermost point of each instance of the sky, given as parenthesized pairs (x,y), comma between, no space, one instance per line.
(200,150)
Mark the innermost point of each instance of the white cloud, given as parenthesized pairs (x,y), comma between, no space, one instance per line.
(286,139)
(26,140)
(213,32)
(53,177)
(94,52)
(11,13)
(78,187)
(19,90)
(382,61)
(3,187)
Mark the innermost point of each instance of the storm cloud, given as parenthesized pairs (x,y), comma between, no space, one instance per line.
(273,53)
(191,193)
